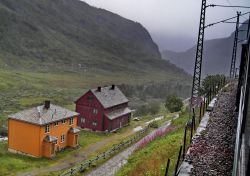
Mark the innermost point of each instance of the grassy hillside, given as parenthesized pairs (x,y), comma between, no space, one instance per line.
(59,49)
(71,35)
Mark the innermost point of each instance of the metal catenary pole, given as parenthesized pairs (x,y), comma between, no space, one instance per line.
(198,58)
(234,55)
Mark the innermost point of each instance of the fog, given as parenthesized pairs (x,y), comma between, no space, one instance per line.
(173,24)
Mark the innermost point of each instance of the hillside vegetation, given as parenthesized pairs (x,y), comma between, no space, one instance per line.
(59,49)
(71,35)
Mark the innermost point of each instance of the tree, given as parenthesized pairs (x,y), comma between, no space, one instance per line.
(211,81)
(173,103)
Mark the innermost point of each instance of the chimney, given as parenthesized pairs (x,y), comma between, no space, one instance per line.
(47,104)
(99,89)
(113,87)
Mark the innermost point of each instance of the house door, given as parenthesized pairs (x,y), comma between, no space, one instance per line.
(110,126)
(52,149)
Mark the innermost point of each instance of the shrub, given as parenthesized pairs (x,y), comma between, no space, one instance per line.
(173,103)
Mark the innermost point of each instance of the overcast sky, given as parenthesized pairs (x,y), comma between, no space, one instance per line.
(173,24)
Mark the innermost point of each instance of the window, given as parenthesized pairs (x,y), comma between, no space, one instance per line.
(62,138)
(47,129)
(94,123)
(56,124)
(90,98)
(63,121)
(71,120)
(95,111)
(82,120)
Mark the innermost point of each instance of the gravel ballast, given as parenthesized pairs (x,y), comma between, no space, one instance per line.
(212,152)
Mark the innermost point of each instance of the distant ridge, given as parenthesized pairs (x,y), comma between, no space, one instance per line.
(216,59)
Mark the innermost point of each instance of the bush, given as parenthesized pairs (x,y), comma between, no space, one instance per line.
(173,103)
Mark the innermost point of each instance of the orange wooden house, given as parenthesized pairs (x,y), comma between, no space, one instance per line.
(42,131)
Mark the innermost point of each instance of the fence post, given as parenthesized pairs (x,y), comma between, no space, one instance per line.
(81,168)
(178,161)
(184,142)
(166,172)
(207,101)
(204,105)
(210,94)
(200,112)
(194,125)
(214,91)
(191,131)
(90,162)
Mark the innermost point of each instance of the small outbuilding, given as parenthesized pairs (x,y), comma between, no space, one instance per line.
(103,109)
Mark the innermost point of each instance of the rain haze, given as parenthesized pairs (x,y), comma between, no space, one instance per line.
(173,24)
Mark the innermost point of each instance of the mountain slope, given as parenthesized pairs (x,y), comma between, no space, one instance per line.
(216,58)
(70,35)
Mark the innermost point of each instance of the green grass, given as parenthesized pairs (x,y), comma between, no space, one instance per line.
(20,90)
(152,159)
(10,163)
(19,163)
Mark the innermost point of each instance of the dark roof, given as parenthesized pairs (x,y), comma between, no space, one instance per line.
(118,113)
(41,116)
(110,97)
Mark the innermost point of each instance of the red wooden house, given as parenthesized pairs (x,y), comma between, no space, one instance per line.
(103,109)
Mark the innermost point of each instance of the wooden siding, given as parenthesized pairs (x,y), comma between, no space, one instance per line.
(85,107)
(24,137)
(29,138)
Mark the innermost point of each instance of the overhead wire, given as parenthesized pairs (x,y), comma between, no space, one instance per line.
(222,21)
(228,1)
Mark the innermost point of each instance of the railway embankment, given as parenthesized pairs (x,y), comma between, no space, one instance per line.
(212,149)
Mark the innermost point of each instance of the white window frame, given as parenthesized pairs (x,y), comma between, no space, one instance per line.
(62,138)
(63,121)
(83,120)
(94,123)
(95,111)
(71,121)
(56,123)
(47,128)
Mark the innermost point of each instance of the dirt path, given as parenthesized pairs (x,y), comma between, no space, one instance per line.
(80,156)
(72,160)
(113,165)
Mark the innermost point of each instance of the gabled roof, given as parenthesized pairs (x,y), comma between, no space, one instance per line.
(118,113)
(110,97)
(41,116)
